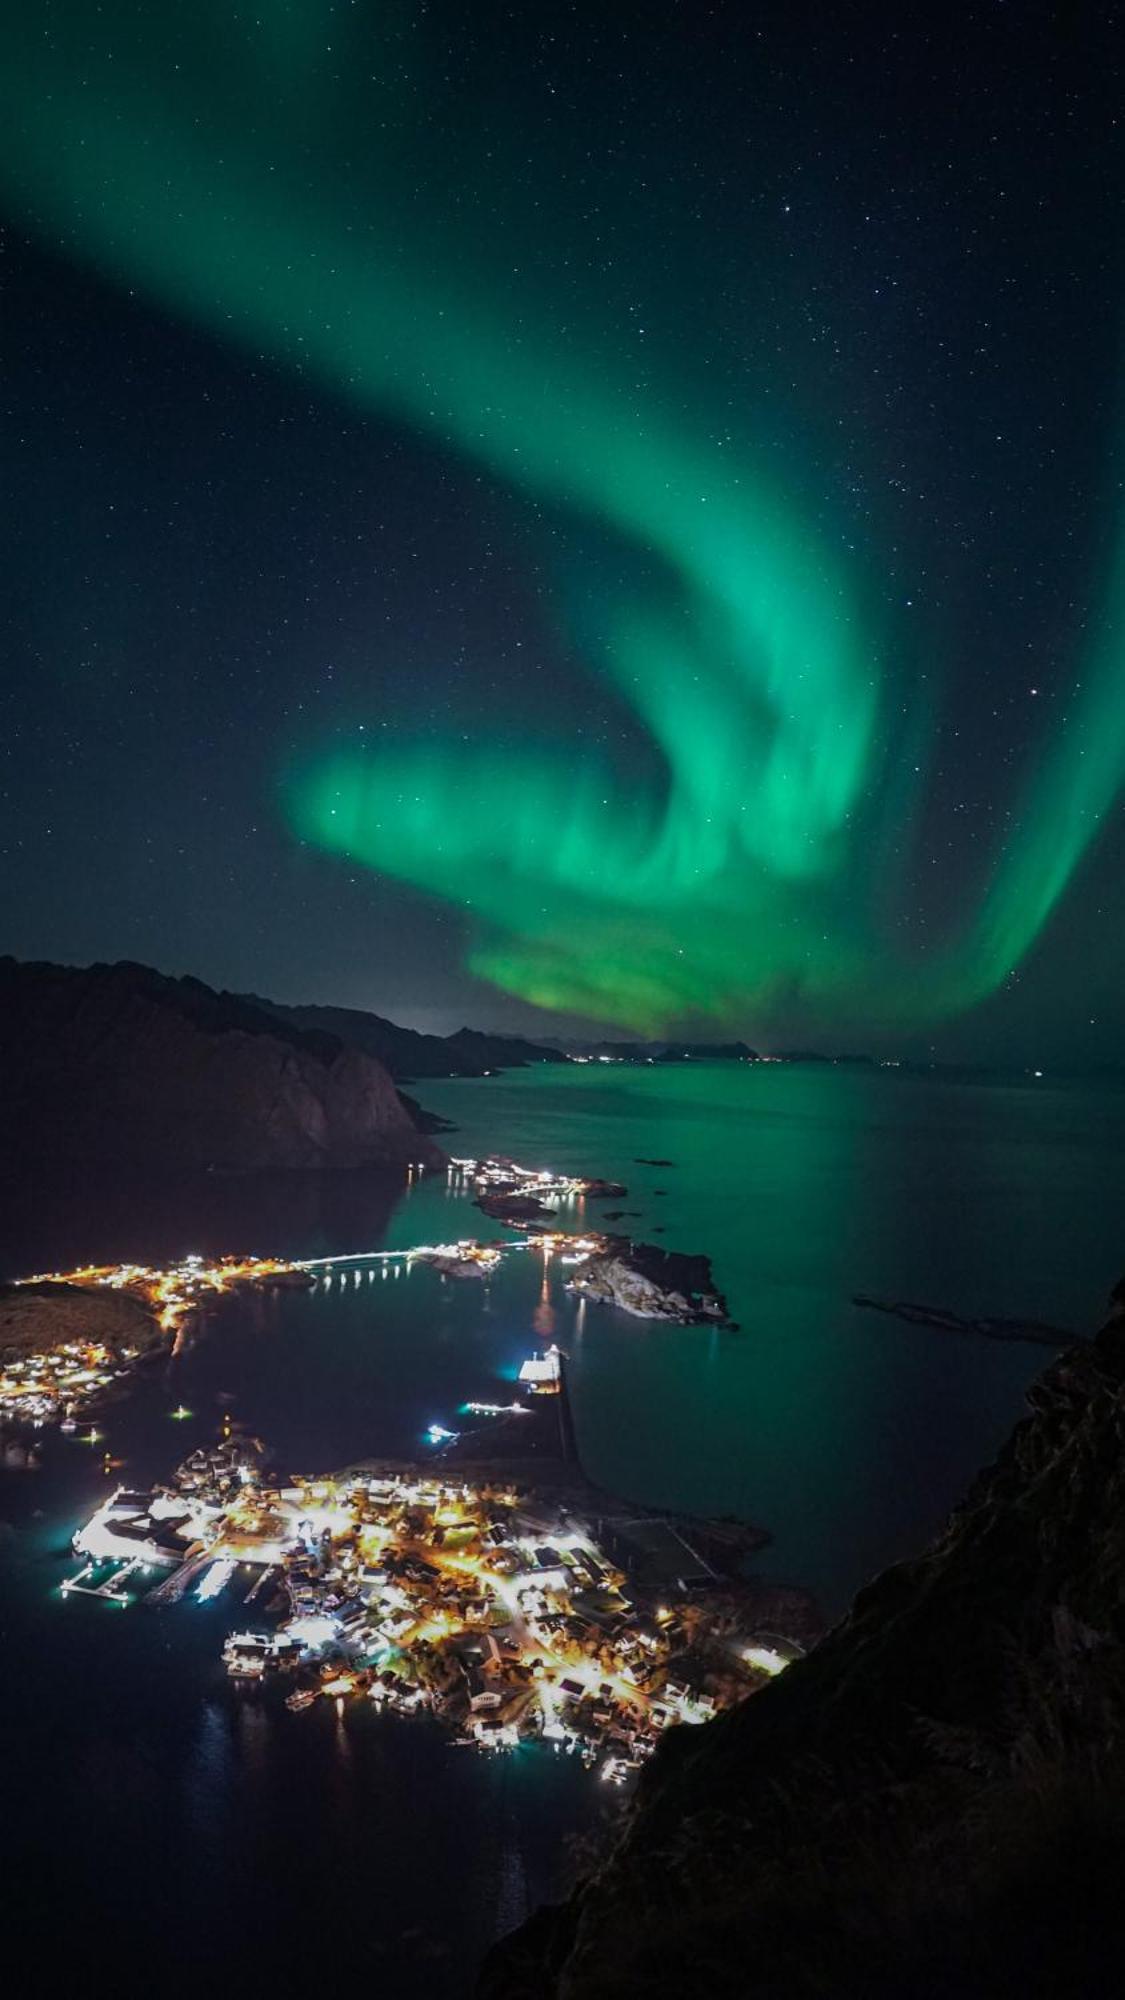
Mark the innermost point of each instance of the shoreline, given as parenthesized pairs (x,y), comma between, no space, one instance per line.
(542,1453)
(56,1370)
(494,1584)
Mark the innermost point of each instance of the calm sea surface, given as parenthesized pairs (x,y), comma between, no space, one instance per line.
(159,1829)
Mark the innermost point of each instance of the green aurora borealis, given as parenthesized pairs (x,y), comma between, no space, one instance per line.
(739,868)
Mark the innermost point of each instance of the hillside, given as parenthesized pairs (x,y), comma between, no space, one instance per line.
(35,1318)
(932,1802)
(404,1051)
(118,1064)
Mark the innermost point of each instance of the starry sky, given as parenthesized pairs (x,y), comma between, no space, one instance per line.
(570,517)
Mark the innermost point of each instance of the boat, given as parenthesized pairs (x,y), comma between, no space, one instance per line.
(301,1698)
(543,1375)
(244,1669)
(246,1655)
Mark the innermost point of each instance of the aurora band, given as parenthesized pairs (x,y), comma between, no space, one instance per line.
(740,876)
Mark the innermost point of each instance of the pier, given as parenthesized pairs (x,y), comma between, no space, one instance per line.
(112,1588)
(175,1586)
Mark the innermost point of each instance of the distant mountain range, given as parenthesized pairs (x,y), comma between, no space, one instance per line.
(949,1072)
(406,1053)
(120,1063)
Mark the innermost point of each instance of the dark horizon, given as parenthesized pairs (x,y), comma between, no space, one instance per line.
(583,1042)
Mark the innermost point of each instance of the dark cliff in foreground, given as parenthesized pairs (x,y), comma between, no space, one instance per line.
(118,1065)
(932,1803)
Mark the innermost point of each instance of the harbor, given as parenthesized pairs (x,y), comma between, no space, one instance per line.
(510,1613)
(57,1363)
(272,1784)
(478,1582)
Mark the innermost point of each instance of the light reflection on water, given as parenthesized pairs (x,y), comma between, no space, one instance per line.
(396,1839)
(208,1774)
(847,1436)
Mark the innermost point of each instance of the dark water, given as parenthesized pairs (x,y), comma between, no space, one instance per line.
(848,1434)
(159,1829)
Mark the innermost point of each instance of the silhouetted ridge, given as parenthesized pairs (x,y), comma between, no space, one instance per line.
(405,1052)
(122,1064)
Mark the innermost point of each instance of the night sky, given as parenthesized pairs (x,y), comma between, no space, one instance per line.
(550,516)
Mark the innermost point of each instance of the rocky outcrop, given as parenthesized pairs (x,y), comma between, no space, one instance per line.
(116,1064)
(653,1283)
(421,1119)
(932,1802)
(988,1326)
(505,1205)
(453,1266)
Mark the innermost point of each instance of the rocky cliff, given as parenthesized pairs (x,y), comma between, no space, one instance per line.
(117,1064)
(932,1803)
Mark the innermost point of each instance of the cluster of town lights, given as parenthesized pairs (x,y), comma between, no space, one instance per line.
(497,1609)
(172,1291)
(494,1608)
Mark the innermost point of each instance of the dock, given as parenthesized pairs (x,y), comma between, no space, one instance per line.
(112,1588)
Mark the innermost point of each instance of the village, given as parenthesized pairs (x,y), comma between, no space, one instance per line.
(63,1344)
(54,1385)
(508,1610)
(500,1609)
(68,1337)
(521,1196)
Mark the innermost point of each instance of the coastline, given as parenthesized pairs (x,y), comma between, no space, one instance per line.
(656,1586)
(83,1316)
(694,1416)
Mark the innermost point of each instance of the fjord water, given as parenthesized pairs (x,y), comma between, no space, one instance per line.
(159,1826)
(847,1434)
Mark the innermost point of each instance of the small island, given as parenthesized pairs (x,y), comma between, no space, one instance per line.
(519,1195)
(653,1283)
